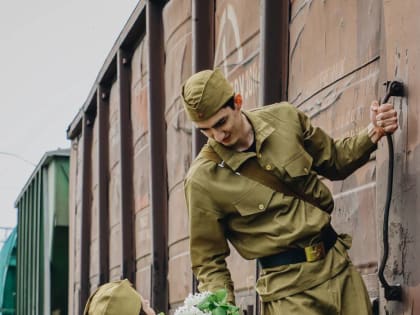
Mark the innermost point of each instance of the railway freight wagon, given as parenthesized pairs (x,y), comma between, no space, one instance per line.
(42,238)
(132,144)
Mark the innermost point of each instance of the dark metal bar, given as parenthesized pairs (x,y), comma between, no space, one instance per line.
(158,167)
(127,211)
(274,61)
(85,211)
(42,227)
(102,99)
(25,262)
(30,251)
(18,255)
(20,258)
(202,59)
(203,54)
(274,43)
(39,261)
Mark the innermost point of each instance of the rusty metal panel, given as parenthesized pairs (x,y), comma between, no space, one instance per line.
(178,216)
(335,89)
(237,46)
(400,60)
(77,145)
(94,243)
(72,225)
(141,162)
(140,127)
(177,35)
(139,119)
(143,233)
(178,49)
(143,277)
(179,275)
(328,40)
(114,184)
(115,253)
(342,109)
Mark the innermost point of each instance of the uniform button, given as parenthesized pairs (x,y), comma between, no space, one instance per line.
(259,155)
(268,167)
(305,170)
(261,206)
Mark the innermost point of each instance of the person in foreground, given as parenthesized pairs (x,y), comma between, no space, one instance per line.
(257,184)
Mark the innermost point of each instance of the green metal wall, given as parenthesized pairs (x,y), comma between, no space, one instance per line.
(42,247)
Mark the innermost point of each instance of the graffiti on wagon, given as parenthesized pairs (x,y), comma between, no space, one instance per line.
(242,71)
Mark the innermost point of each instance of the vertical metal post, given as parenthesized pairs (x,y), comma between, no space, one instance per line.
(18,255)
(203,56)
(85,211)
(274,61)
(25,257)
(102,99)
(274,43)
(31,253)
(42,230)
(20,258)
(203,51)
(158,167)
(127,211)
(39,260)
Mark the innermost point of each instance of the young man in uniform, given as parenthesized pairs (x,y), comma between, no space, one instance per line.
(256,183)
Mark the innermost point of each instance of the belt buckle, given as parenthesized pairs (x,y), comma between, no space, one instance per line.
(315,252)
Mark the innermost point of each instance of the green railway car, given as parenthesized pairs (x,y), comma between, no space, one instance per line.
(42,238)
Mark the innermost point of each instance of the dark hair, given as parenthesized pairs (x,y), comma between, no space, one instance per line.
(230,103)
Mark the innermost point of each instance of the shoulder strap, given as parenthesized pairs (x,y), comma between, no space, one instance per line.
(254,171)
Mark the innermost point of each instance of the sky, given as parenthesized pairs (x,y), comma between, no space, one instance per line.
(50,54)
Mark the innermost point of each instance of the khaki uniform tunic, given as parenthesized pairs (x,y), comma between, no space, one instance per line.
(223,205)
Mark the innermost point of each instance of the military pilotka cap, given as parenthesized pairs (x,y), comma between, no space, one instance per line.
(204,93)
(114,298)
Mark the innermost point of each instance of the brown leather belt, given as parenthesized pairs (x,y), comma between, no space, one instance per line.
(311,253)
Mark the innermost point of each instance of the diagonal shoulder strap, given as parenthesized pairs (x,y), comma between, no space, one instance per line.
(253,170)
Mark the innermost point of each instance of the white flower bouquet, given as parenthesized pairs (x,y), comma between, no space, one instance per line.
(207,303)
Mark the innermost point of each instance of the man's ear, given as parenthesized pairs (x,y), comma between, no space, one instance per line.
(238,101)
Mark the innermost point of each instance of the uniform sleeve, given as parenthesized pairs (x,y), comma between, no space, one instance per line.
(335,159)
(208,244)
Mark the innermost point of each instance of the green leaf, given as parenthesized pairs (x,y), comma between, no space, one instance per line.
(219,311)
(221,295)
(217,304)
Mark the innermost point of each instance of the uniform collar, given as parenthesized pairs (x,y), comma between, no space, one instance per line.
(234,159)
